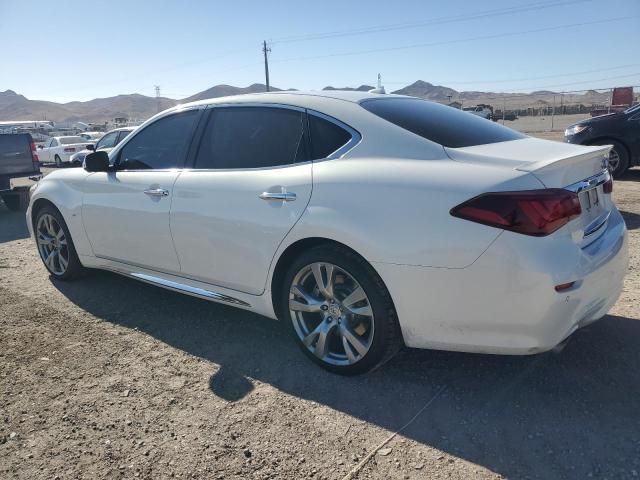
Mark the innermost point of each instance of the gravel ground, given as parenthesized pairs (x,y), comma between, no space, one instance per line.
(110,378)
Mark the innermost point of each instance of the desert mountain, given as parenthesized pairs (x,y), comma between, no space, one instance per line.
(14,106)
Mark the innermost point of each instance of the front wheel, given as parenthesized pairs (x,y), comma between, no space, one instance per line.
(55,246)
(618,157)
(340,313)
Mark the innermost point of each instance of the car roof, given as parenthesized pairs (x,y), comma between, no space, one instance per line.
(295,96)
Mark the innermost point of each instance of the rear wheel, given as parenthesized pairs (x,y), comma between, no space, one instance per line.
(618,157)
(55,246)
(58,161)
(339,311)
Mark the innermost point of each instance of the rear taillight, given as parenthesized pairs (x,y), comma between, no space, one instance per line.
(530,212)
(34,153)
(69,150)
(607,187)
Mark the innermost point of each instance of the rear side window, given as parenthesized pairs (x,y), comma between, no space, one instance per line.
(326,137)
(161,145)
(108,141)
(251,137)
(447,126)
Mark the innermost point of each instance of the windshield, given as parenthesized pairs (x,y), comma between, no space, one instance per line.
(444,125)
(71,140)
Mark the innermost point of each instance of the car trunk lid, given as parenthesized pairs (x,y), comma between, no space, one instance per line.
(556,165)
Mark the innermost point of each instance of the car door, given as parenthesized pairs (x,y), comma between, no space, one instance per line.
(46,150)
(126,211)
(250,183)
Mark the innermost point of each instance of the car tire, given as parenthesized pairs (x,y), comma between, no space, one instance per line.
(333,335)
(58,161)
(58,256)
(622,157)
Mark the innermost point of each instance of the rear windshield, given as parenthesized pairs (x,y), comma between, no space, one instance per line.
(14,143)
(71,140)
(447,126)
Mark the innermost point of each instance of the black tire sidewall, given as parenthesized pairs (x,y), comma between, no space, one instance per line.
(75,268)
(623,157)
(386,328)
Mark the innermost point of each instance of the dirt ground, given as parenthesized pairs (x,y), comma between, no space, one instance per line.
(108,378)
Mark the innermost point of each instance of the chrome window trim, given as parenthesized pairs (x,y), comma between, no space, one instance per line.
(589,183)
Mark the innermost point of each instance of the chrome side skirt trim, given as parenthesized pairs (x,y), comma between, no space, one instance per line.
(181,287)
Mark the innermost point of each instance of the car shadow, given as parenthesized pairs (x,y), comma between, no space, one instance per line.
(12,225)
(569,414)
(631,219)
(633,175)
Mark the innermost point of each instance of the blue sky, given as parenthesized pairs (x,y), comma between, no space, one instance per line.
(78,50)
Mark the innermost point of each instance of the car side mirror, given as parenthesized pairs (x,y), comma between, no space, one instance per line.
(97,162)
(91,147)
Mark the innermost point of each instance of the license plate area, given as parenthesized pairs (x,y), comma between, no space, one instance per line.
(590,200)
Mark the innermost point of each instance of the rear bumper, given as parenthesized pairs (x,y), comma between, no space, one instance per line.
(505,302)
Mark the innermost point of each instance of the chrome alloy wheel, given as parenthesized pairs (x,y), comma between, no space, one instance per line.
(52,244)
(331,314)
(614,160)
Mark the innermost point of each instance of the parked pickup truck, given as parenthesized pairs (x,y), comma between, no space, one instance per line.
(18,158)
(60,149)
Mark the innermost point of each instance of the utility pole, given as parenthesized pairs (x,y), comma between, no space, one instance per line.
(266,50)
(158,98)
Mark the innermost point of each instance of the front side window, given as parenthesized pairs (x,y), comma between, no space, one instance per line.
(161,145)
(326,137)
(108,141)
(444,125)
(251,137)
(54,143)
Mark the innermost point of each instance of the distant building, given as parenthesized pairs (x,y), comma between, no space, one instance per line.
(457,105)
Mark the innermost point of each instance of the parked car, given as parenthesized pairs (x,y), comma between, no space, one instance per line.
(619,129)
(106,143)
(364,221)
(60,149)
(483,111)
(18,158)
(91,136)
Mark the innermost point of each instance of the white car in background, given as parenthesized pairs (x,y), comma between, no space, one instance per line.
(364,221)
(106,143)
(480,111)
(60,149)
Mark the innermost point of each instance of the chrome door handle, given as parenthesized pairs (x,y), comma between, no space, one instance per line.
(282,196)
(157,192)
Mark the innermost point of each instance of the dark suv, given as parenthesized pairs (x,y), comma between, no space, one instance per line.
(18,158)
(620,129)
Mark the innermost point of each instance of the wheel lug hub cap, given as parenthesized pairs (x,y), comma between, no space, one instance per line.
(335,310)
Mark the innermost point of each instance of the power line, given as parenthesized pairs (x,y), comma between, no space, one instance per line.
(522,79)
(436,21)
(449,42)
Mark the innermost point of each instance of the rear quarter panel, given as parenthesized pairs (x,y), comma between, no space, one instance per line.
(397,210)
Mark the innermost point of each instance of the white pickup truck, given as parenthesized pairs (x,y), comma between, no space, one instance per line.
(60,149)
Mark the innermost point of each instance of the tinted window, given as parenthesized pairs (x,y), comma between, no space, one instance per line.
(326,137)
(162,144)
(10,144)
(440,124)
(251,137)
(108,141)
(123,134)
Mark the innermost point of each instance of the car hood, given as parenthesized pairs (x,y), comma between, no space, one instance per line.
(601,118)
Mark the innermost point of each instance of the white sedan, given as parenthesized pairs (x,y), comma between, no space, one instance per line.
(366,222)
(61,149)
